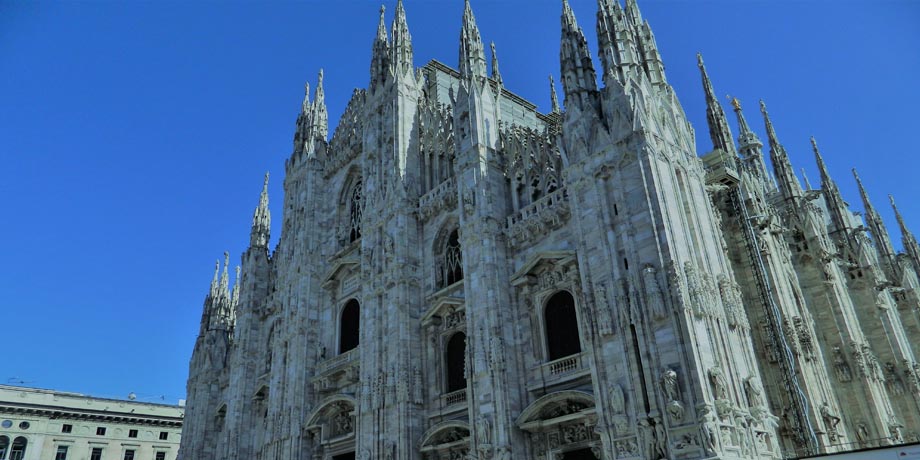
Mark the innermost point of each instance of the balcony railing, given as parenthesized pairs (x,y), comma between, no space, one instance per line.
(564,365)
(441,197)
(338,361)
(454,397)
(539,218)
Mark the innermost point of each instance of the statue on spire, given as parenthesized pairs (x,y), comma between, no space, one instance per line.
(496,73)
(554,99)
(261,220)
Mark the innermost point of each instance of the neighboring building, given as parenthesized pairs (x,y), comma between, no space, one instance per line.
(40,424)
(460,276)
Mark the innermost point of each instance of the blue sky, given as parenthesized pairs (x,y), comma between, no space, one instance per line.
(134,136)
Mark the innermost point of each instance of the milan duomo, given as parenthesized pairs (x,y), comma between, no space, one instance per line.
(460,276)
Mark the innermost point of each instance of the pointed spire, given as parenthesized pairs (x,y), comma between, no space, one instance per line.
(554,99)
(746,136)
(496,73)
(751,149)
(719,131)
(837,207)
(877,228)
(214,282)
(579,81)
(805,178)
(305,105)
(616,40)
(632,12)
(225,277)
(472,55)
(782,168)
(380,54)
(402,42)
(320,115)
(907,238)
(235,295)
(261,220)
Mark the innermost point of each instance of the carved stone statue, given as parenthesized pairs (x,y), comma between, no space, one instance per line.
(718,383)
(484,431)
(830,422)
(669,385)
(617,399)
(841,367)
(754,392)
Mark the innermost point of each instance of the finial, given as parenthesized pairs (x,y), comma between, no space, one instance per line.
(265,182)
(814,145)
(496,73)
(319,82)
(554,99)
(736,104)
(699,59)
(306,98)
(381,26)
(805,178)
(226,260)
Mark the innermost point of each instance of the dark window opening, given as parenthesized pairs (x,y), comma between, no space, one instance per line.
(453,259)
(4,445)
(96,454)
(18,451)
(456,362)
(164,435)
(580,454)
(348,456)
(61,453)
(129,454)
(561,326)
(349,326)
(100,431)
(356,205)
(66,428)
(132,433)
(161,456)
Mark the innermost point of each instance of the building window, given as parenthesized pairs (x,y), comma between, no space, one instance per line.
(129,454)
(455,357)
(100,431)
(161,456)
(561,326)
(66,428)
(164,435)
(18,451)
(349,326)
(132,433)
(24,425)
(448,260)
(61,453)
(96,454)
(4,446)
(355,208)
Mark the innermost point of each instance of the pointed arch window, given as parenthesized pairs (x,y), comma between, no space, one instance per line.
(452,265)
(349,326)
(561,326)
(355,208)
(455,359)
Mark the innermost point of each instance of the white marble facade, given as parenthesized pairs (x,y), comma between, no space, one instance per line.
(460,276)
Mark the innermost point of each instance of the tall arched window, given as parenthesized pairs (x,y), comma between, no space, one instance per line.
(18,451)
(355,207)
(349,326)
(561,326)
(4,446)
(453,259)
(455,358)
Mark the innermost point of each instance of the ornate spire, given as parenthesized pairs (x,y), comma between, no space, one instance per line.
(907,238)
(578,78)
(402,42)
(719,131)
(554,99)
(617,42)
(320,116)
(746,137)
(305,105)
(805,178)
(837,207)
(261,220)
(235,295)
(877,227)
(225,278)
(782,168)
(214,282)
(496,74)
(472,55)
(380,55)
(751,148)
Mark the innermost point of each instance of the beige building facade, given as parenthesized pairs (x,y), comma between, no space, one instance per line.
(38,424)
(460,276)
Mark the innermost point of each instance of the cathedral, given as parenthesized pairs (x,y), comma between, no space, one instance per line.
(460,276)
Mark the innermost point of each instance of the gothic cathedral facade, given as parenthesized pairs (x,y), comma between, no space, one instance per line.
(461,276)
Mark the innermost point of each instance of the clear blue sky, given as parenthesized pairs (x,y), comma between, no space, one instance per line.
(134,136)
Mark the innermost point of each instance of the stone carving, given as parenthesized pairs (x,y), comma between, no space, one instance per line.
(754,392)
(653,293)
(718,383)
(669,385)
(862,433)
(895,384)
(841,367)
(697,297)
(536,220)
(806,342)
(830,423)
(605,319)
(894,431)
(617,399)
(676,411)
(626,448)
(484,432)
(708,431)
